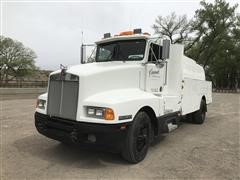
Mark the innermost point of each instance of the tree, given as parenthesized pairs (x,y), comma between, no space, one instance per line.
(176,29)
(16,61)
(215,45)
(212,38)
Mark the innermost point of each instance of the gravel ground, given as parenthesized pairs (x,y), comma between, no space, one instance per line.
(208,151)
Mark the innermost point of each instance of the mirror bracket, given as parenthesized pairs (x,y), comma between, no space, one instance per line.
(160,63)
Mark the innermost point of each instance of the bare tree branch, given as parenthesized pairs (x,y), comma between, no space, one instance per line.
(172,27)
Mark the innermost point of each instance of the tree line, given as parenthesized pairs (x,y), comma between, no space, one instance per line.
(212,38)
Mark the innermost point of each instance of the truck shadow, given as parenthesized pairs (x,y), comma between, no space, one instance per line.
(57,153)
(69,155)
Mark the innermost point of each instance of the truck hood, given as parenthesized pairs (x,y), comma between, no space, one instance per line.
(96,68)
(105,76)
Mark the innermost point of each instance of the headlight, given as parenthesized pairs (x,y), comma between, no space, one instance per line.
(100,112)
(41,103)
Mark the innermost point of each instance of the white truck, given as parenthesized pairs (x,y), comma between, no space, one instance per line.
(138,88)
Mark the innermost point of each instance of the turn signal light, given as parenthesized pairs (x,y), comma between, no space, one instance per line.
(108,114)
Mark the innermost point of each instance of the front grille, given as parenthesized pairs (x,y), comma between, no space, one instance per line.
(63,96)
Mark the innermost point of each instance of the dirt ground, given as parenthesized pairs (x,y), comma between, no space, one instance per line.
(208,151)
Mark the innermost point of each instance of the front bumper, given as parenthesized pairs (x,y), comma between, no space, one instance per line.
(83,133)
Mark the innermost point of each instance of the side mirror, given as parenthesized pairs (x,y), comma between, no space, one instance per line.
(165,49)
(83,53)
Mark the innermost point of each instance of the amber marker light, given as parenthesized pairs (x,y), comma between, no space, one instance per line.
(126,33)
(146,33)
(108,114)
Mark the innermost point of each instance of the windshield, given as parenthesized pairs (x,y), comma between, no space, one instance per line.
(125,50)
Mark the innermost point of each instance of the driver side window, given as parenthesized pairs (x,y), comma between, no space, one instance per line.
(155,52)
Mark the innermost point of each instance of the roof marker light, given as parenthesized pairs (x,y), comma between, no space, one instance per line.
(126,33)
(107,35)
(137,31)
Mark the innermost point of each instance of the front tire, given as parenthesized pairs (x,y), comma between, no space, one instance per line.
(199,116)
(138,139)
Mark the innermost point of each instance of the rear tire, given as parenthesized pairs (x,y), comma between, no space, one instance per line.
(199,116)
(138,138)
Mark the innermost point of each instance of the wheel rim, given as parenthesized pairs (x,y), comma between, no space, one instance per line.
(142,137)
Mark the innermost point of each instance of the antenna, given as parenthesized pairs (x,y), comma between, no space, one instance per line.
(82,37)
(81,49)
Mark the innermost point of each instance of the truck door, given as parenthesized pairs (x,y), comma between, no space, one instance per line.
(155,76)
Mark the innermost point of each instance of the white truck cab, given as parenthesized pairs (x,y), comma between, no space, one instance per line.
(137,88)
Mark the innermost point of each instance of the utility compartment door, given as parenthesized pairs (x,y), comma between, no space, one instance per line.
(172,103)
(193,91)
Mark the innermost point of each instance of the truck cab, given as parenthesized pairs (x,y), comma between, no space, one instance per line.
(137,88)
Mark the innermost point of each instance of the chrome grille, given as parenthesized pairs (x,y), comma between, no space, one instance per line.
(63,95)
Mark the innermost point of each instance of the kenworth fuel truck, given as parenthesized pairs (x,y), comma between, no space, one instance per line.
(138,88)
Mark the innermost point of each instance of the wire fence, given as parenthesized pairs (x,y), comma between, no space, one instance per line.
(225,90)
(24,84)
